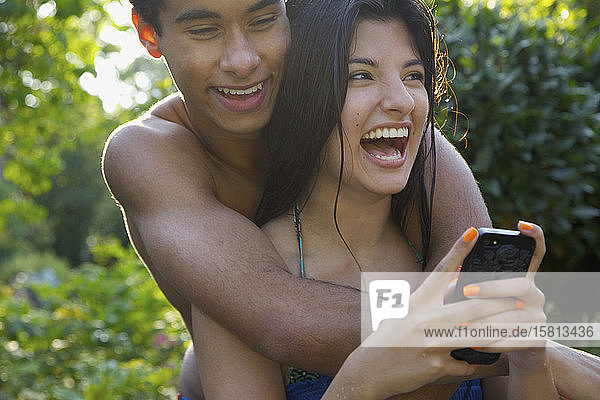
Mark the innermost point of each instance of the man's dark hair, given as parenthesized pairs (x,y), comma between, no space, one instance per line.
(148,10)
(313,92)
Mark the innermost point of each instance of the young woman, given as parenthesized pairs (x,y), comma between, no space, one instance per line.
(352,157)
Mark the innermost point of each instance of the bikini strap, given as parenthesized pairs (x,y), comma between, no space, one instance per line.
(298,228)
(299,237)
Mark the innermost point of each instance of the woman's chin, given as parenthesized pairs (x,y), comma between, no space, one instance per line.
(386,187)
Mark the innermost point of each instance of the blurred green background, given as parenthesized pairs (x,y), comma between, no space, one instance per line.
(79,315)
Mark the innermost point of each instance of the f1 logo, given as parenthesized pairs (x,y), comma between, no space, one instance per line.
(388,299)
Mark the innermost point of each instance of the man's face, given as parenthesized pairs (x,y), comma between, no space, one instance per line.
(226,57)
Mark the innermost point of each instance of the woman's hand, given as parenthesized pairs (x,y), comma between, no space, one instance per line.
(530,374)
(398,358)
(529,302)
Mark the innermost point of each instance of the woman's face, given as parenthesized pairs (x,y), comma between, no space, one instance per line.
(385,110)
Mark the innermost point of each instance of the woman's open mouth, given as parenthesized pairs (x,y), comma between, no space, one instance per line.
(386,146)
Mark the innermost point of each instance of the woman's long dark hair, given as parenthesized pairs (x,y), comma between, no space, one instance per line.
(313,92)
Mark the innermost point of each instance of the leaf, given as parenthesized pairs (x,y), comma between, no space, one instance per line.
(586,212)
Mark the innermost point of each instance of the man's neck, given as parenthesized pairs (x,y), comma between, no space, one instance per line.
(242,153)
(243,156)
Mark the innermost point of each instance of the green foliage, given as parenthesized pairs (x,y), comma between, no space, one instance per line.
(38,82)
(43,111)
(33,263)
(526,79)
(101,332)
(52,196)
(528,94)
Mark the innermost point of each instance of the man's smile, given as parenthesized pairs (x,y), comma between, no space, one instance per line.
(242,99)
(240,92)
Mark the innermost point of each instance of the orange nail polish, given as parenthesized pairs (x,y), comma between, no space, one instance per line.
(525,226)
(470,290)
(470,234)
(520,304)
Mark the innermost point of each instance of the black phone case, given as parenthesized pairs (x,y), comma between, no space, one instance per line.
(507,254)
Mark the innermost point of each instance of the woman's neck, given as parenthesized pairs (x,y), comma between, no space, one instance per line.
(364,220)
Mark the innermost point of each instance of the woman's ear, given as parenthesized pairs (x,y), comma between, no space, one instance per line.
(147,35)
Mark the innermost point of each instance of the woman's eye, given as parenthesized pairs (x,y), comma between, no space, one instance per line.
(416,76)
(361,76)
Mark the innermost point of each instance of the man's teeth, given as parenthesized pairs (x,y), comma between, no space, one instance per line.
(386,133)
(250,90)
(397,154)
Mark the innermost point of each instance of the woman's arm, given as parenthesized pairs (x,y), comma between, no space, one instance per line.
(228,367)
(397,358)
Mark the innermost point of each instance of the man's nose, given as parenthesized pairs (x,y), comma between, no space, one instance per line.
(240,57)
(397,99)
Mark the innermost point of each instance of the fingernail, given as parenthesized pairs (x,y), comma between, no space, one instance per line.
(520,304)
(525,226)
(470,234)
(470,290)
(453,281)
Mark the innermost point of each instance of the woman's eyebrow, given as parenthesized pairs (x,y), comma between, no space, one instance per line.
(363,60)
(373,63)
(414,61)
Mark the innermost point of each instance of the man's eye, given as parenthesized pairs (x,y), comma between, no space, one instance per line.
(360,76)
(263,22)
(203,32)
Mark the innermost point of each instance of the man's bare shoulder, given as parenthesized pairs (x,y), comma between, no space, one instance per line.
(449,160)
(166,120)
(458,202)
(152,152)
(454,178)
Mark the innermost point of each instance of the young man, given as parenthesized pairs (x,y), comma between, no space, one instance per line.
(188,175)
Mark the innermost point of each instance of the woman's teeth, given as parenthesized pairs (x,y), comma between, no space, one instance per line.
(386,133)
(250,90)
(397,155)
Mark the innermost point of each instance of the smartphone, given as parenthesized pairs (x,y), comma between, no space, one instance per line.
(505,254)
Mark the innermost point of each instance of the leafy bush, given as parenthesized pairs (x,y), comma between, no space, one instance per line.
(52,131)
(105,332)
(528,94)
(36,264)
